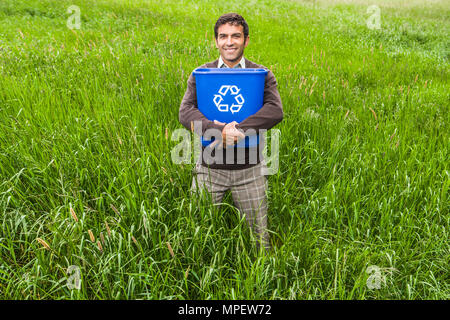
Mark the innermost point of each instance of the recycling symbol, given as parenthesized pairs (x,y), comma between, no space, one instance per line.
(238,99)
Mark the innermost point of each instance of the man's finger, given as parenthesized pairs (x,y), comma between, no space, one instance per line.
(237,133)
(232,139)
(231,134)
(218,122)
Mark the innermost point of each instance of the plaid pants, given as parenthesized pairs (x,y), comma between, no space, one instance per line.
(248,189)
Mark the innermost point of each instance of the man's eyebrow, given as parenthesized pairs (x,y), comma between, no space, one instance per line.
(233,34)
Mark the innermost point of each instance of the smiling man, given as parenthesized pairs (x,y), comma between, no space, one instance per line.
(245,178)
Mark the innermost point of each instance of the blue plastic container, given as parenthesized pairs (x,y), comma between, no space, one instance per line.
(229,94)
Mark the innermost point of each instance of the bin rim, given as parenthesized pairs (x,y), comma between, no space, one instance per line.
(230,71)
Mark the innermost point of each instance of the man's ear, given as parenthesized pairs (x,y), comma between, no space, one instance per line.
(215,41)
(246,41)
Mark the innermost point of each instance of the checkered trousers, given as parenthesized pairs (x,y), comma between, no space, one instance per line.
(248,189)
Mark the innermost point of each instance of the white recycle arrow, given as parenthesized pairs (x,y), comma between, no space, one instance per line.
(222,106)
(234,107)
(224,87)
(239,99)
(234,90)
(217,96)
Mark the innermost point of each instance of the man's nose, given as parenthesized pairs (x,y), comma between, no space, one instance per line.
(229,40)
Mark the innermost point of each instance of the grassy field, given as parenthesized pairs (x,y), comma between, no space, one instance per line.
(86,177)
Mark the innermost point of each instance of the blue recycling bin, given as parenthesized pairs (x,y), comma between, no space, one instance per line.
(229,94)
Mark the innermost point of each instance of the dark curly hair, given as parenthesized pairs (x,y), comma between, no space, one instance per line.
(234,19)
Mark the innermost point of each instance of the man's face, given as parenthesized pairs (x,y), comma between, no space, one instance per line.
(231,42)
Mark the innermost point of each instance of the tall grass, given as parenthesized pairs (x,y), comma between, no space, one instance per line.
(86,177)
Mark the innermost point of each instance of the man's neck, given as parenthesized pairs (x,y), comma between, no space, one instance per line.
(231,64)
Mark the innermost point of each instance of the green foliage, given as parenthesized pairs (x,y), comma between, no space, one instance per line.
(363,176)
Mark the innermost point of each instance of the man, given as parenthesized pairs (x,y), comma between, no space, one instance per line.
(244,177)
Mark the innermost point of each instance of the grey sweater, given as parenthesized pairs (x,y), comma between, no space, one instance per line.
(268,116)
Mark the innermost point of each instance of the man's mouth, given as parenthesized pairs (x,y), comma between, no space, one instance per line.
(230,49)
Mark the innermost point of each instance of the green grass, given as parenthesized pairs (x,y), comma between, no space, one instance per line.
(363,176)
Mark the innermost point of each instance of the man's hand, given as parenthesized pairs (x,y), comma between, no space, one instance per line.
(230,134)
